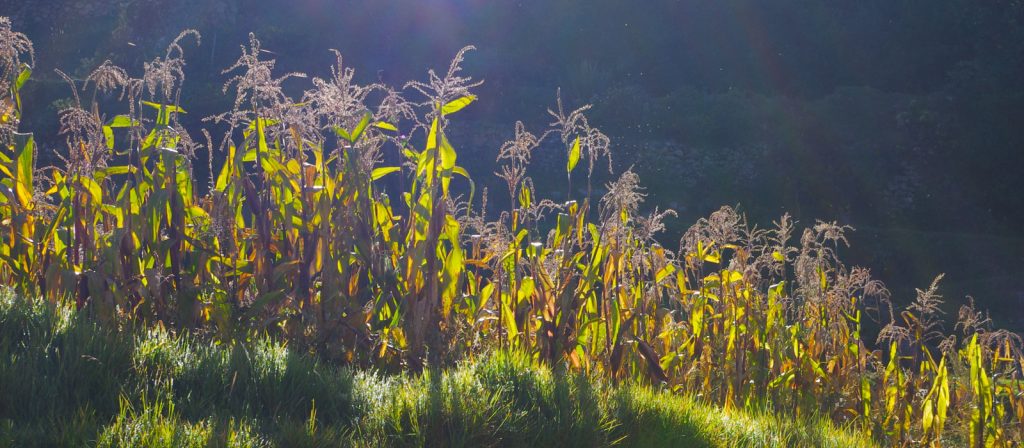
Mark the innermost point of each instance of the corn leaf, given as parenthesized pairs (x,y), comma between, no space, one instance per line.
(24,195)
(93,188)
(386,126)
(360,127)
(168,107)
(122,121)
(664,272)
(108,137)
(380,172)
(457,105)
(574,156)
(26,159)
(26,72)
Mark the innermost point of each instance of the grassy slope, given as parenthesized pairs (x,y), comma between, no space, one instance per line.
(64,381)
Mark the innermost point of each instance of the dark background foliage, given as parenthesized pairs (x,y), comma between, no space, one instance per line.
(902,118)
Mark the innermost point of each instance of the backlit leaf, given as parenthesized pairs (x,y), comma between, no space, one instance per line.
(664,272)
(457,105)
(574,155)
(23,76)
(383,171)
(108,137)
(122,121)
(386,126)
(360,127)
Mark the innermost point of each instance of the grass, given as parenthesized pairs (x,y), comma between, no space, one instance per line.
(67,381)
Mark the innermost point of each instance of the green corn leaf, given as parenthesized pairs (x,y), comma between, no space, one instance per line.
(292,167)
(942,402)
(664,272)
(891,389)
(149,140)
(122,121)
(865,396)
(26,159)
(26,72)
(525,198)
(508,319)
(261,135)
(782,380)
(383,171)
(360,127)
(432,135)
(122,194)
(424,165)
(574,156)
(168,107)
(457,105)
(816,367)
(927,415)
(731,276)
(341,132)
(249,155)
(164,112)
(119,169)
(526,288)
(116,212)
(24,195)
(134,201)
(485,295)
(561,228)
(386,126)
(447,154)
(697,319)
(108,136)
(454,265)
(93,188)
(681,281)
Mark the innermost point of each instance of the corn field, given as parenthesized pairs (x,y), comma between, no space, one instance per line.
(341,221)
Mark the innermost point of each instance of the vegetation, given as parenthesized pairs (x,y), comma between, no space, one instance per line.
(883,115)
(340,223)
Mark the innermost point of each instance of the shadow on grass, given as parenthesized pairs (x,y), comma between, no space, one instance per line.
(65,381)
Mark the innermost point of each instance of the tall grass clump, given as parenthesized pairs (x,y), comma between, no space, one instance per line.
(506,399)
(306,235)
(62,377)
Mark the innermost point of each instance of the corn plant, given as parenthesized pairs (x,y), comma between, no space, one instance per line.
(341,221)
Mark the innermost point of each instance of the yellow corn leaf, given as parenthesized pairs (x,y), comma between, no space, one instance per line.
(457,105)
